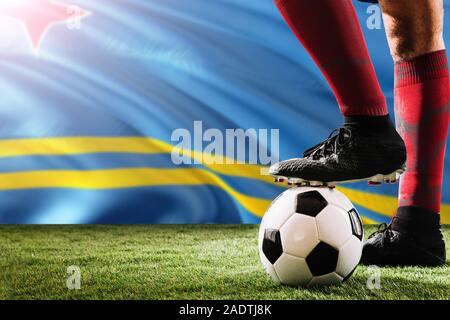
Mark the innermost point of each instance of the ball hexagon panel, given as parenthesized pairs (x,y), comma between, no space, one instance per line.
(280,210)
(310,203)
(327,279)
(349,256)
(322,260)
(271,245)
(334,226)
(292,270)
(299,235)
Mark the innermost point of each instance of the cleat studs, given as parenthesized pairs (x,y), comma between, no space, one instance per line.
(294,181)
(390,177)
(279,180)
(376,180)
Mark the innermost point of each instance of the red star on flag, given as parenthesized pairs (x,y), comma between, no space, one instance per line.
(38,16)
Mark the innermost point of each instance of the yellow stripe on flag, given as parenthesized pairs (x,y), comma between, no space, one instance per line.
(98,179)
(126,178)
(383,204)
(138,145)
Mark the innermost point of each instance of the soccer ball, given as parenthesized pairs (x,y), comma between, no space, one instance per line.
(310,237)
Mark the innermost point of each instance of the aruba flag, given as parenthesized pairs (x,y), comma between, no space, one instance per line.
(91,93)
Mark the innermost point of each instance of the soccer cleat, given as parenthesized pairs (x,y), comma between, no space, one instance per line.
(348,155)
(387,247)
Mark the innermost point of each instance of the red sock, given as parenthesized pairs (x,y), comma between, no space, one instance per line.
(331,33)
(422,101)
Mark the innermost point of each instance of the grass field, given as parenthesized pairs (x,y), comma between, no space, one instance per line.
(174,262)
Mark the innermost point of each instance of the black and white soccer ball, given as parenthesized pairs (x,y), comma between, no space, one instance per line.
(310,237)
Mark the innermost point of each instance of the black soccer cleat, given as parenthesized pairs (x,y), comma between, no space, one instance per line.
(387,247)
(414,238)
(350,154)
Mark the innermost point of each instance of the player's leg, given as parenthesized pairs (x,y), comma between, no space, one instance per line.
(329,30)
(368,144)
(422,100)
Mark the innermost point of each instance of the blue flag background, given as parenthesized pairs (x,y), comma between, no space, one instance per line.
(86,121)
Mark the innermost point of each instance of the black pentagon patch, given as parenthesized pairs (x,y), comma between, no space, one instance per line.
(322,260)
(310,203)
(357,227)
(271,245)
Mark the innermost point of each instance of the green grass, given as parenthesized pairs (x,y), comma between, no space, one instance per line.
(174,262)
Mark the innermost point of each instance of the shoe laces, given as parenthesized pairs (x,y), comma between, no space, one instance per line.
(386,232)
(337,139)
